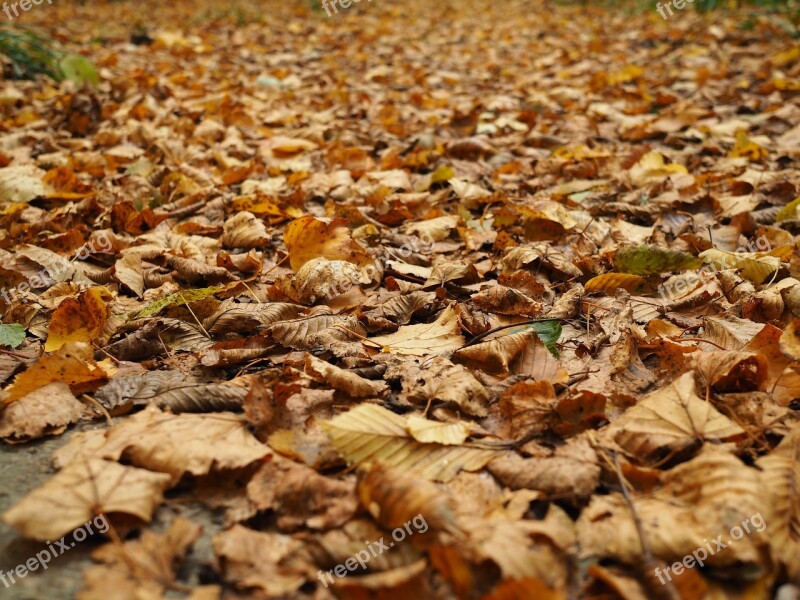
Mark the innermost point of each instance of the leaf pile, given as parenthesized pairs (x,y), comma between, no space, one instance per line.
(529,271)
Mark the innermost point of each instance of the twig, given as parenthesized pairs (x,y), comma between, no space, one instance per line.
(99,407)
(252,293)
(203,329)
(114,359)
(15,355)
(480,336)
(277,264)
(691,339)
(629,500)
(358,335)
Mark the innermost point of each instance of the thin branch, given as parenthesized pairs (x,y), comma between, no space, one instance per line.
(480,336)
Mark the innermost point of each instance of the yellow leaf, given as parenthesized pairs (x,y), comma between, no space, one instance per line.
(72,364)
(652,166)
(747,148)
(427,339)
(626,74)
(447,434)
(371,433)
(178,298)
(79,319)
(610,282)
(755,266)
(789,211)
(307,238)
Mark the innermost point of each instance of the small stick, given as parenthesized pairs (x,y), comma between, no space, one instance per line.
(691,339)
(99,407)
(479,337)
(203,329)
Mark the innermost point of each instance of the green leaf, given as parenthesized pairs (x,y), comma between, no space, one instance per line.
(789,211)
(442,173)
(12,335)
(176,299)
(548,332)
(79,69)
(653,260)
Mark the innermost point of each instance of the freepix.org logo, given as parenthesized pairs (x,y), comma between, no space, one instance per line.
(334,4)
(25,5)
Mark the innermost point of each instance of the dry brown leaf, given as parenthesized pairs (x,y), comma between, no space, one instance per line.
(790,340)
(446,382)
(129,271)
(187,443)
(731,371)
(781,478)
(496,356)
(84,489)
(169,390)
(669,421)
(231,317)
(145,567)
(21,183)
(345,381)
(506,301)
(295,333)
(572,470)
(394,499)
(525,408)
(338,545)
(399,310)
(320,280)
(45,411)
(521,549)
(301,497)
(274,563)
(245,230)
(292,424)
(783,380)
(698,501)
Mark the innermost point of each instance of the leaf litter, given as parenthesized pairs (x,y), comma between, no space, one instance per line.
(528,272)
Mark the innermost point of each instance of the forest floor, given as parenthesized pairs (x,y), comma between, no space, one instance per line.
(461,299)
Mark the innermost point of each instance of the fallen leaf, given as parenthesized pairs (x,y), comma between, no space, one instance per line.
(435,338)
(147,565)
(270,562)
(669,421)
(45,411)
(84,489)
(369,433)
(12,335)
(187,443)
(80,319)
(72,364)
